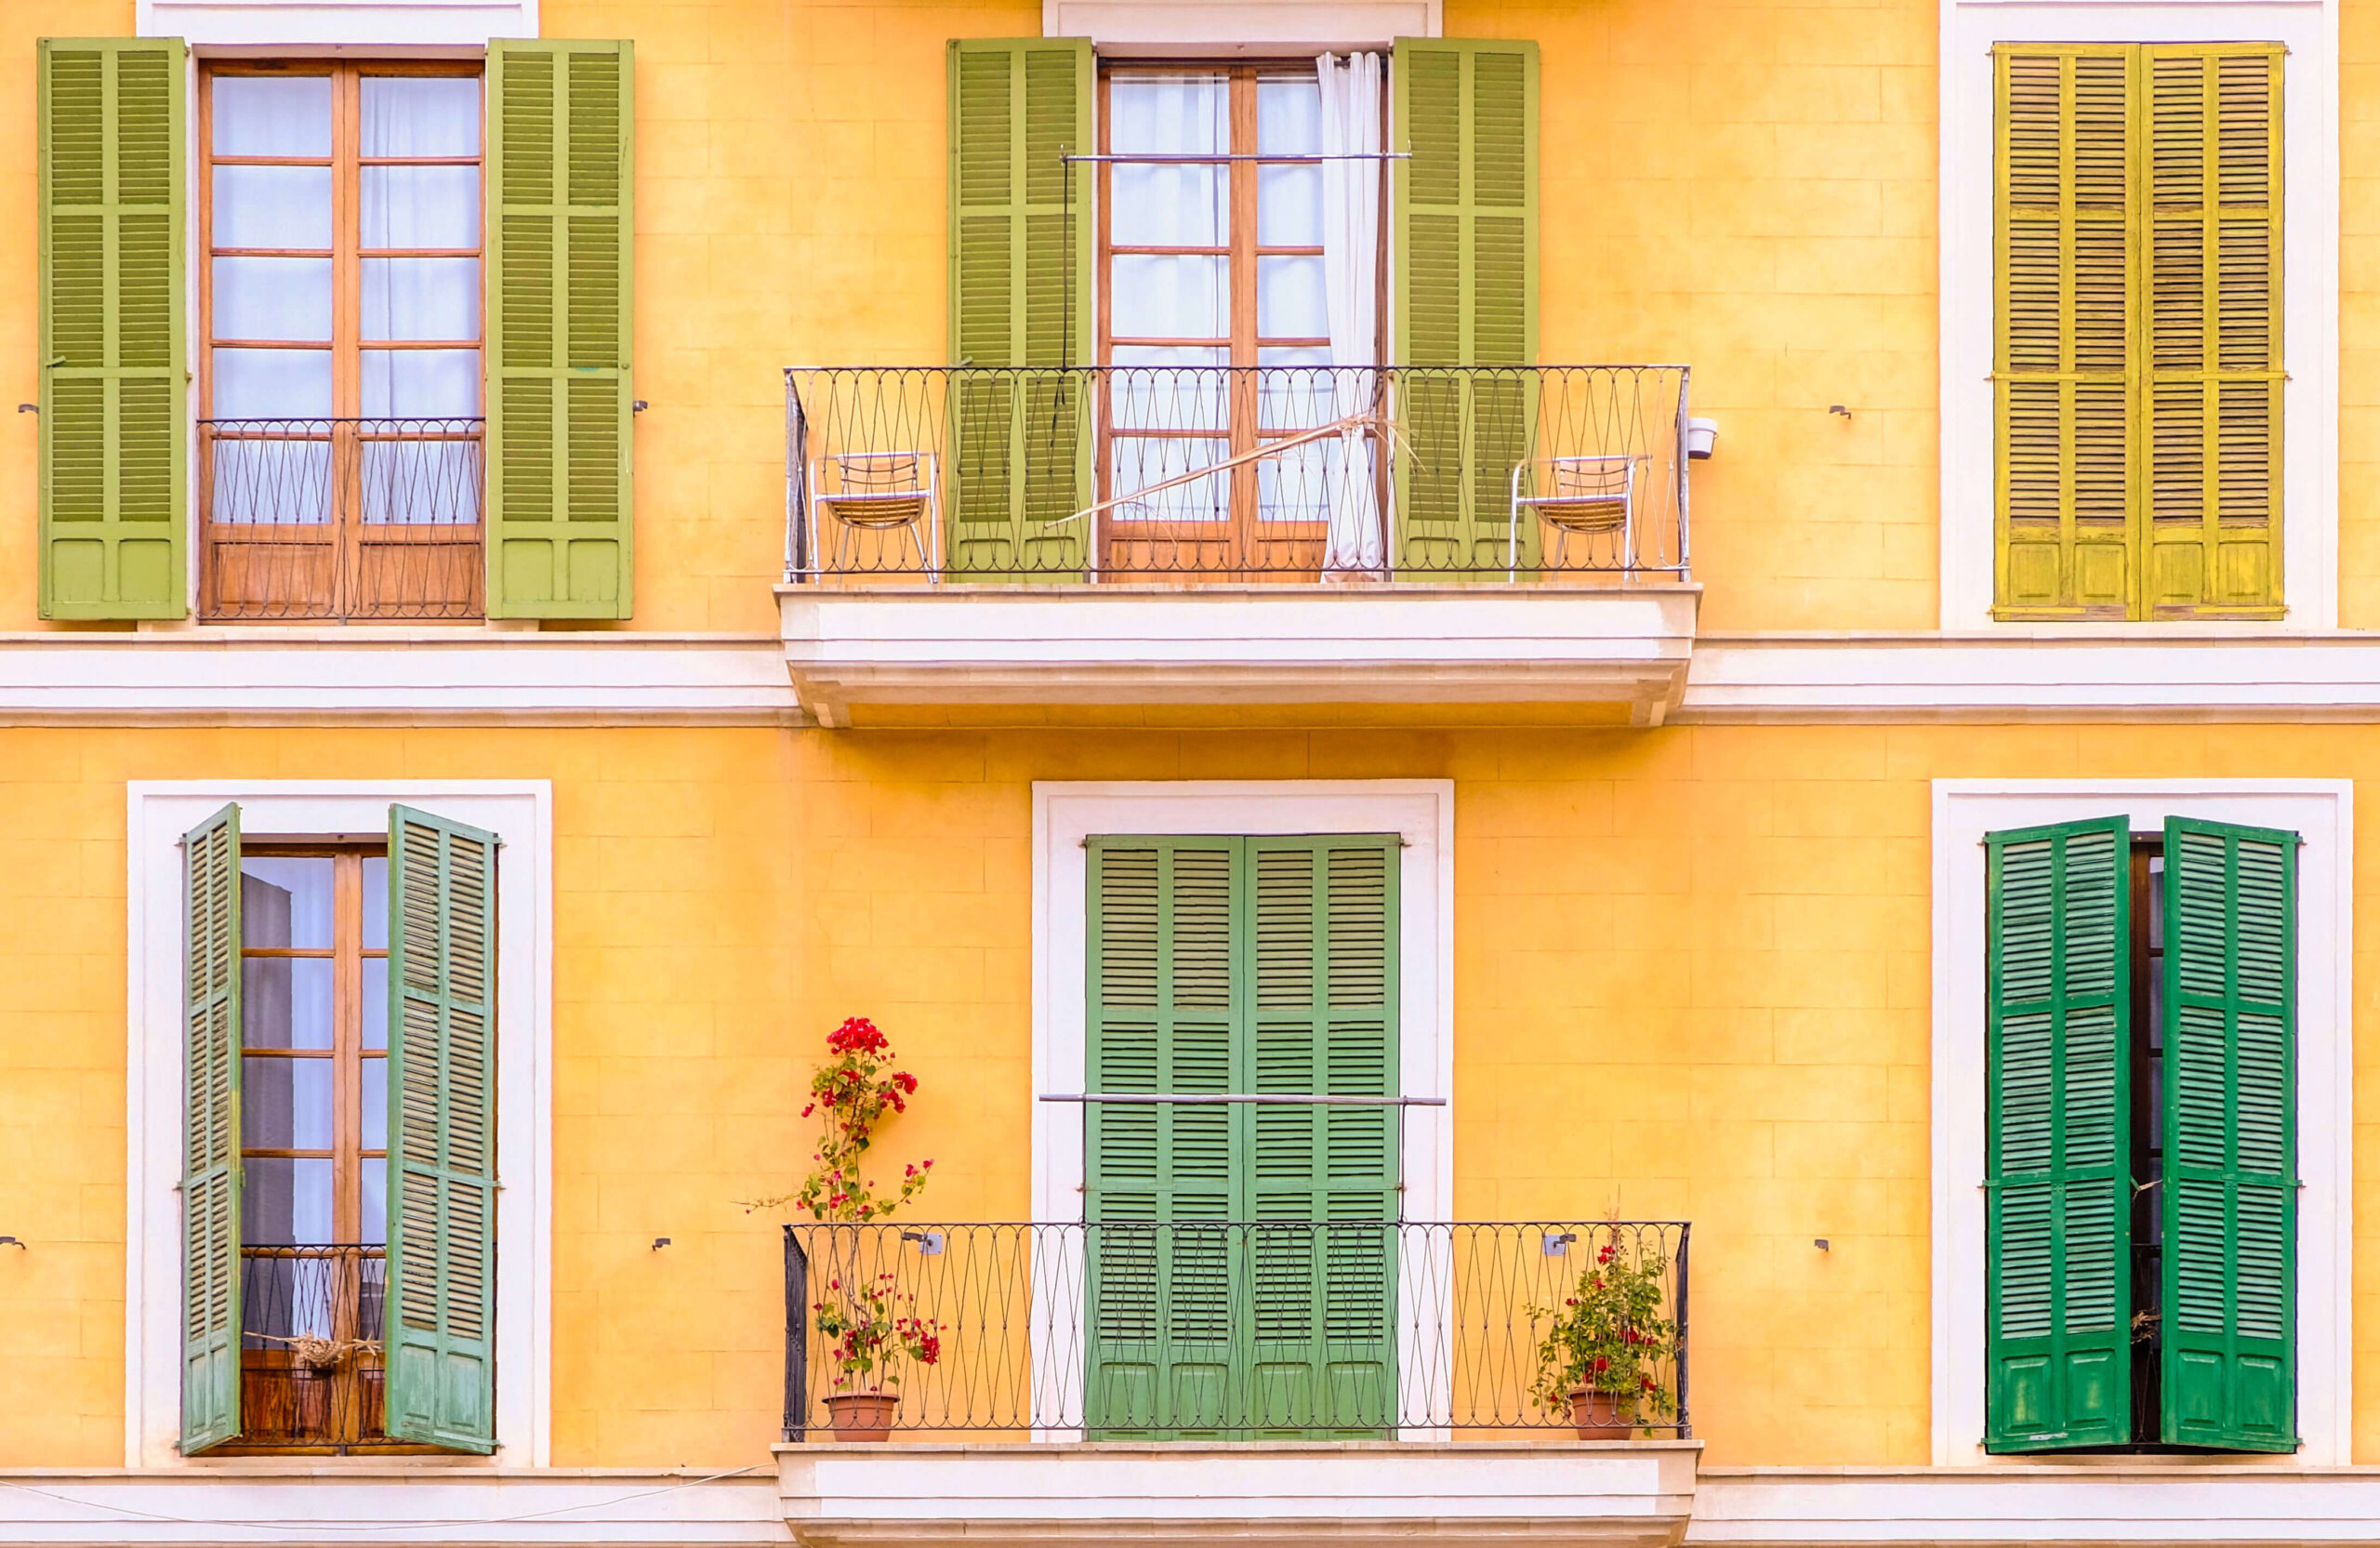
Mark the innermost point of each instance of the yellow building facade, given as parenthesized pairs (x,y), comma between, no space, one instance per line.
(931,535)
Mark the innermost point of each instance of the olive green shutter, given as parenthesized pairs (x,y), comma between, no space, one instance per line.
(561,183)
(2057,1168)
(2230,1281)
(113,378)
(1165,1000)
(1465,260)
(1021,286)
(1321,999)
(2212,351)
(441,1321)
(2136,350)
(211,1175)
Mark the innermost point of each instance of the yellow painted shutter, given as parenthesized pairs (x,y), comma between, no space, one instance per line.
(2136,358)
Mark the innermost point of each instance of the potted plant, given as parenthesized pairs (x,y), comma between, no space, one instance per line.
(1607,1346)
(870,1329)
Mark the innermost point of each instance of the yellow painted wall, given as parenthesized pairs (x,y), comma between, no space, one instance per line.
(1691,979)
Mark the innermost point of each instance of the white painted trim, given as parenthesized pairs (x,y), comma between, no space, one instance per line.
(2322,811)
(1240,26)
(336,24)
(2310,277)
(1066,813)
(160,812)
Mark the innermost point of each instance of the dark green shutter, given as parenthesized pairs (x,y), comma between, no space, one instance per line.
(562,180)
(2057,1168)
(1164,1002)
(211,1176)
(1021,286)
(113,381)
(1464,259)
(1321,998)
(441,1321)
(2229,1283)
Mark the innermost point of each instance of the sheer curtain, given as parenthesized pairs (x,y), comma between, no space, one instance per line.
(1351,128)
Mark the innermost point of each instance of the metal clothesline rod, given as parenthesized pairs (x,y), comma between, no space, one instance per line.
(1268,1099)
(1193,159)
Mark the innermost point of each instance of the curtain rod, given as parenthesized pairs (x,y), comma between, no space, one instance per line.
(1144,1099)
(1185,159)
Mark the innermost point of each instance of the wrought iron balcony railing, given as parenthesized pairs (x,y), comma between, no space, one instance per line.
(343,519)
(1562,473)
(311,1350)
(1222,1328)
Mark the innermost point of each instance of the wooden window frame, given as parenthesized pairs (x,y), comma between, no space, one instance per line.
(347,348)
(1249,547)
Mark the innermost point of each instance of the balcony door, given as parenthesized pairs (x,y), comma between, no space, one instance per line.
(1212,313)
(1242,1269)
(341,385)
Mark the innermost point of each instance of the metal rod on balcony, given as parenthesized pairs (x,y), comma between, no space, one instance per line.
(1264,1100)
(1190,159)
(797,1337)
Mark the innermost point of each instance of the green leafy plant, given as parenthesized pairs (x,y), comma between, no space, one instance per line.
(850,1095)
(1610,1336)
(870,1329)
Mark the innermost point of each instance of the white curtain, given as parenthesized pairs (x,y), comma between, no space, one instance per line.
(1350,183)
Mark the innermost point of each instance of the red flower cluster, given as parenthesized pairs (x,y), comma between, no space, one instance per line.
(857,1035)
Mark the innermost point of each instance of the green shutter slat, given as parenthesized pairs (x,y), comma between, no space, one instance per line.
(441,1319)
(1465,211)
(2057,1168)
(561,180)
(1021,288)
(113,441)
(2229,1281)
(211,1177)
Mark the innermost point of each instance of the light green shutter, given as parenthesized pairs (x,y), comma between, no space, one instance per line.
(1165,1003)
(1465,260)
(2057,1168)
(561,181)
(1021,286)
(1321,999)
(2229,1281)
(441,1319)
(113,378)
(211,1174)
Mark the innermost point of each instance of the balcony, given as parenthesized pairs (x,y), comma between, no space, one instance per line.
(1184,1380)
(342,520)
(1200,534)
(310,1349)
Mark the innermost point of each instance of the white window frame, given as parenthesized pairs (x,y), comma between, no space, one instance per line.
(2309,278)
(274,26)
(520,814)
(1237,27)
(2323,813)
(1421,812)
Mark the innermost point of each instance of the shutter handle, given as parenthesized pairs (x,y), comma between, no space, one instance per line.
(28,408)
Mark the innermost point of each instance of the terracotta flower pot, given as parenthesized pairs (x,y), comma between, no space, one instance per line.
(862,1415)
(1601,1415)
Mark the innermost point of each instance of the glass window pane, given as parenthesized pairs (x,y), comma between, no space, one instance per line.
(281,481)
(421,384)
(286,1202)
(273,206)
(1288,299)
(376,1104)
(421,206)
(286,1103)
(376,903)
(406,299)
(375,1002)
(1296,485)
(1289,206)
(421,483)
(274,297)
(1137,462)
(282,1298)
(285,1001)
(286,899)
(1177,296)
(271,115)
(374,1170)
(1169,115)
(1288,116)
(420,116)
(1169,206)
(1156,388)
(1298,400)
(271,384)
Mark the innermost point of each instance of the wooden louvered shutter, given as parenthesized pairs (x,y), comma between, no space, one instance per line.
(1165,999)
(2065,367)
(211,1177)
(112,381)
(1321,999)
(440,1322)
(1464,260)
(561,180)
(2059,1172)
(2214,375)
(2230,1279)
(1020,297)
